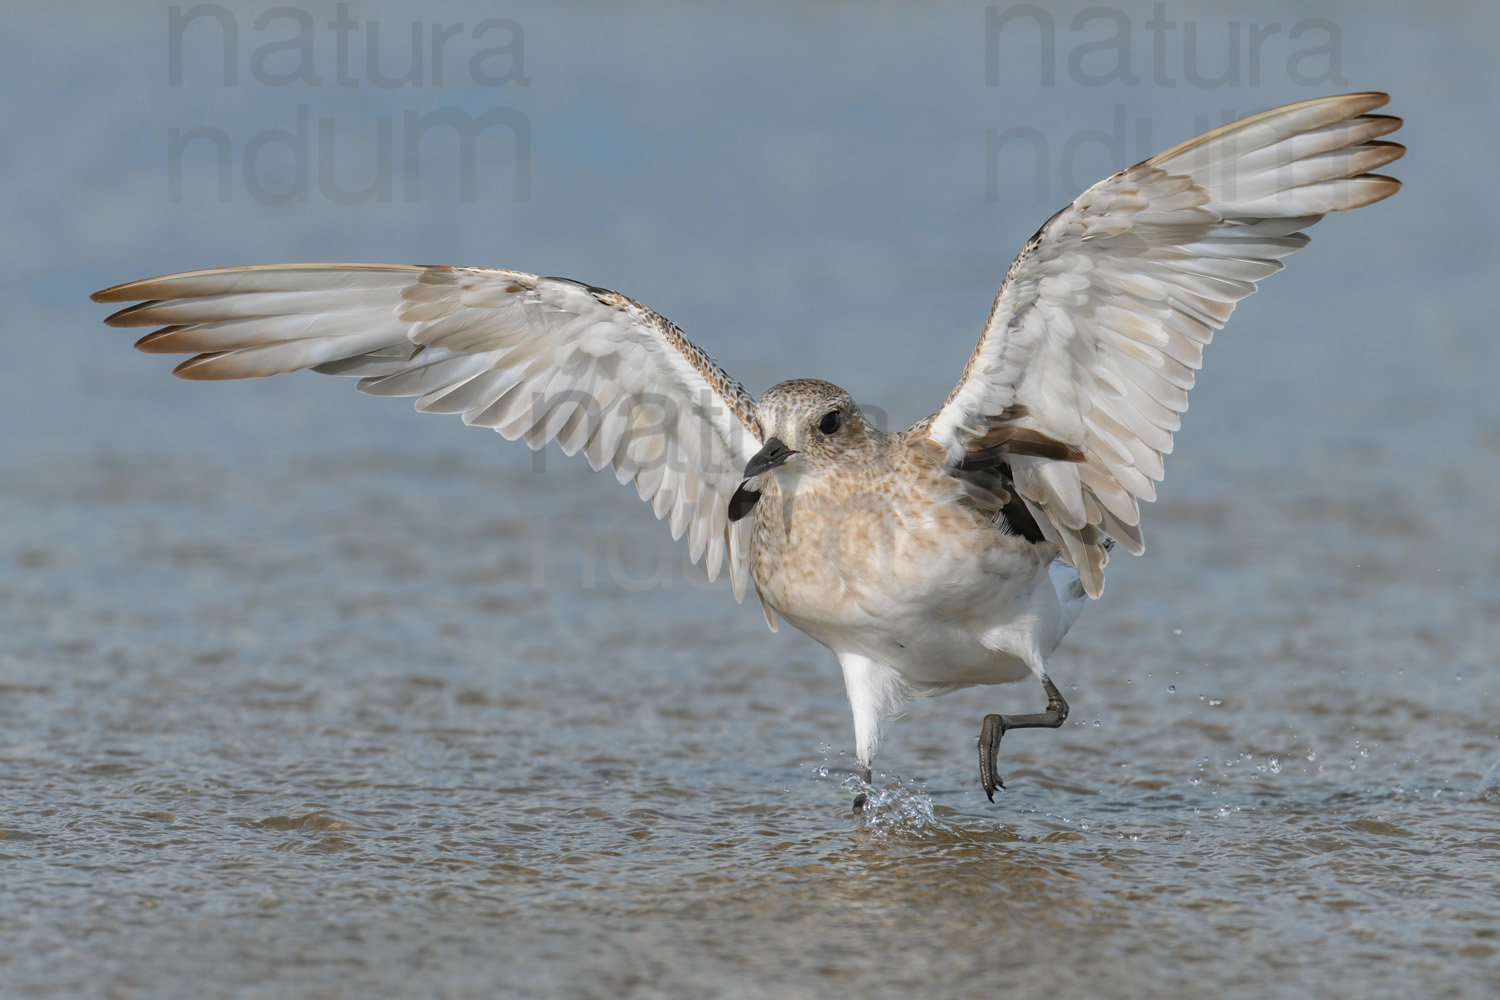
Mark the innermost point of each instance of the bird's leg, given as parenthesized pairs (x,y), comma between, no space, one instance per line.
(860,799)
(995,726)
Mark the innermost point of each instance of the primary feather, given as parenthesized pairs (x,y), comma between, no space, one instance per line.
(540,359)
(1101,322)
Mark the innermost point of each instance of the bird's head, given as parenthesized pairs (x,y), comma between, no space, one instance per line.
(809,426)
(809,429)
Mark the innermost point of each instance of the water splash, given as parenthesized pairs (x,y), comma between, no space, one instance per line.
(898,808)
(1489,785)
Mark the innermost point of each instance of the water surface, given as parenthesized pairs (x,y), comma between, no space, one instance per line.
(304,695)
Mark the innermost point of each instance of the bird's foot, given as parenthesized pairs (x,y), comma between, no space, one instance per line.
(861,799)
(995,727)
(989,745)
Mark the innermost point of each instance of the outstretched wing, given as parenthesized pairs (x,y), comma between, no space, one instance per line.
(541,359)
(1094,337)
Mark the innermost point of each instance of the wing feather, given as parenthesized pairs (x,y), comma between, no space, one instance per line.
(541,359)
(1096,333)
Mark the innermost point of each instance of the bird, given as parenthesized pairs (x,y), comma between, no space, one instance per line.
(955,553)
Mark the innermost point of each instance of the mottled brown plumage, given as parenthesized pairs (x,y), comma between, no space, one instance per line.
(956,552)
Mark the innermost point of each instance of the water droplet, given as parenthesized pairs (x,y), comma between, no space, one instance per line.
(1171,689)
(1352,765)
(1274,766)
(1459,678)
(1311,755)
(1364,751)
(822,772)
(1215,701)
(1177,631)
(1194,781)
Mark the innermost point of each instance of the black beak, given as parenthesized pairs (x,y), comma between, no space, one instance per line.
(744,500)
(773,454)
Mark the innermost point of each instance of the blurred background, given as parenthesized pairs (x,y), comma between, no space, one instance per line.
(303,693)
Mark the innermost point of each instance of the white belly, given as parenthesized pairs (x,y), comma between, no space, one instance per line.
(948,601)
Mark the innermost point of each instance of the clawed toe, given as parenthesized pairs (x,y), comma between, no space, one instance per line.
(989,746)
(995,727)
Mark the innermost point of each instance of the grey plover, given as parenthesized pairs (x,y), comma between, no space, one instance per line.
(954,553)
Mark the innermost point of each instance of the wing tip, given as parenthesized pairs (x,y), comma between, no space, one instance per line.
(1393,150)
(201,368)
(130,315)
(1376,187)
(151,342)
(1375,98)
(1343,107)
(185,284)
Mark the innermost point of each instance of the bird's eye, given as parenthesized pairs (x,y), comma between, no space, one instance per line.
(830,422)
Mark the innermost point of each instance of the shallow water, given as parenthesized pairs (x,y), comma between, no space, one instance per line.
(304,695)
(316,729)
